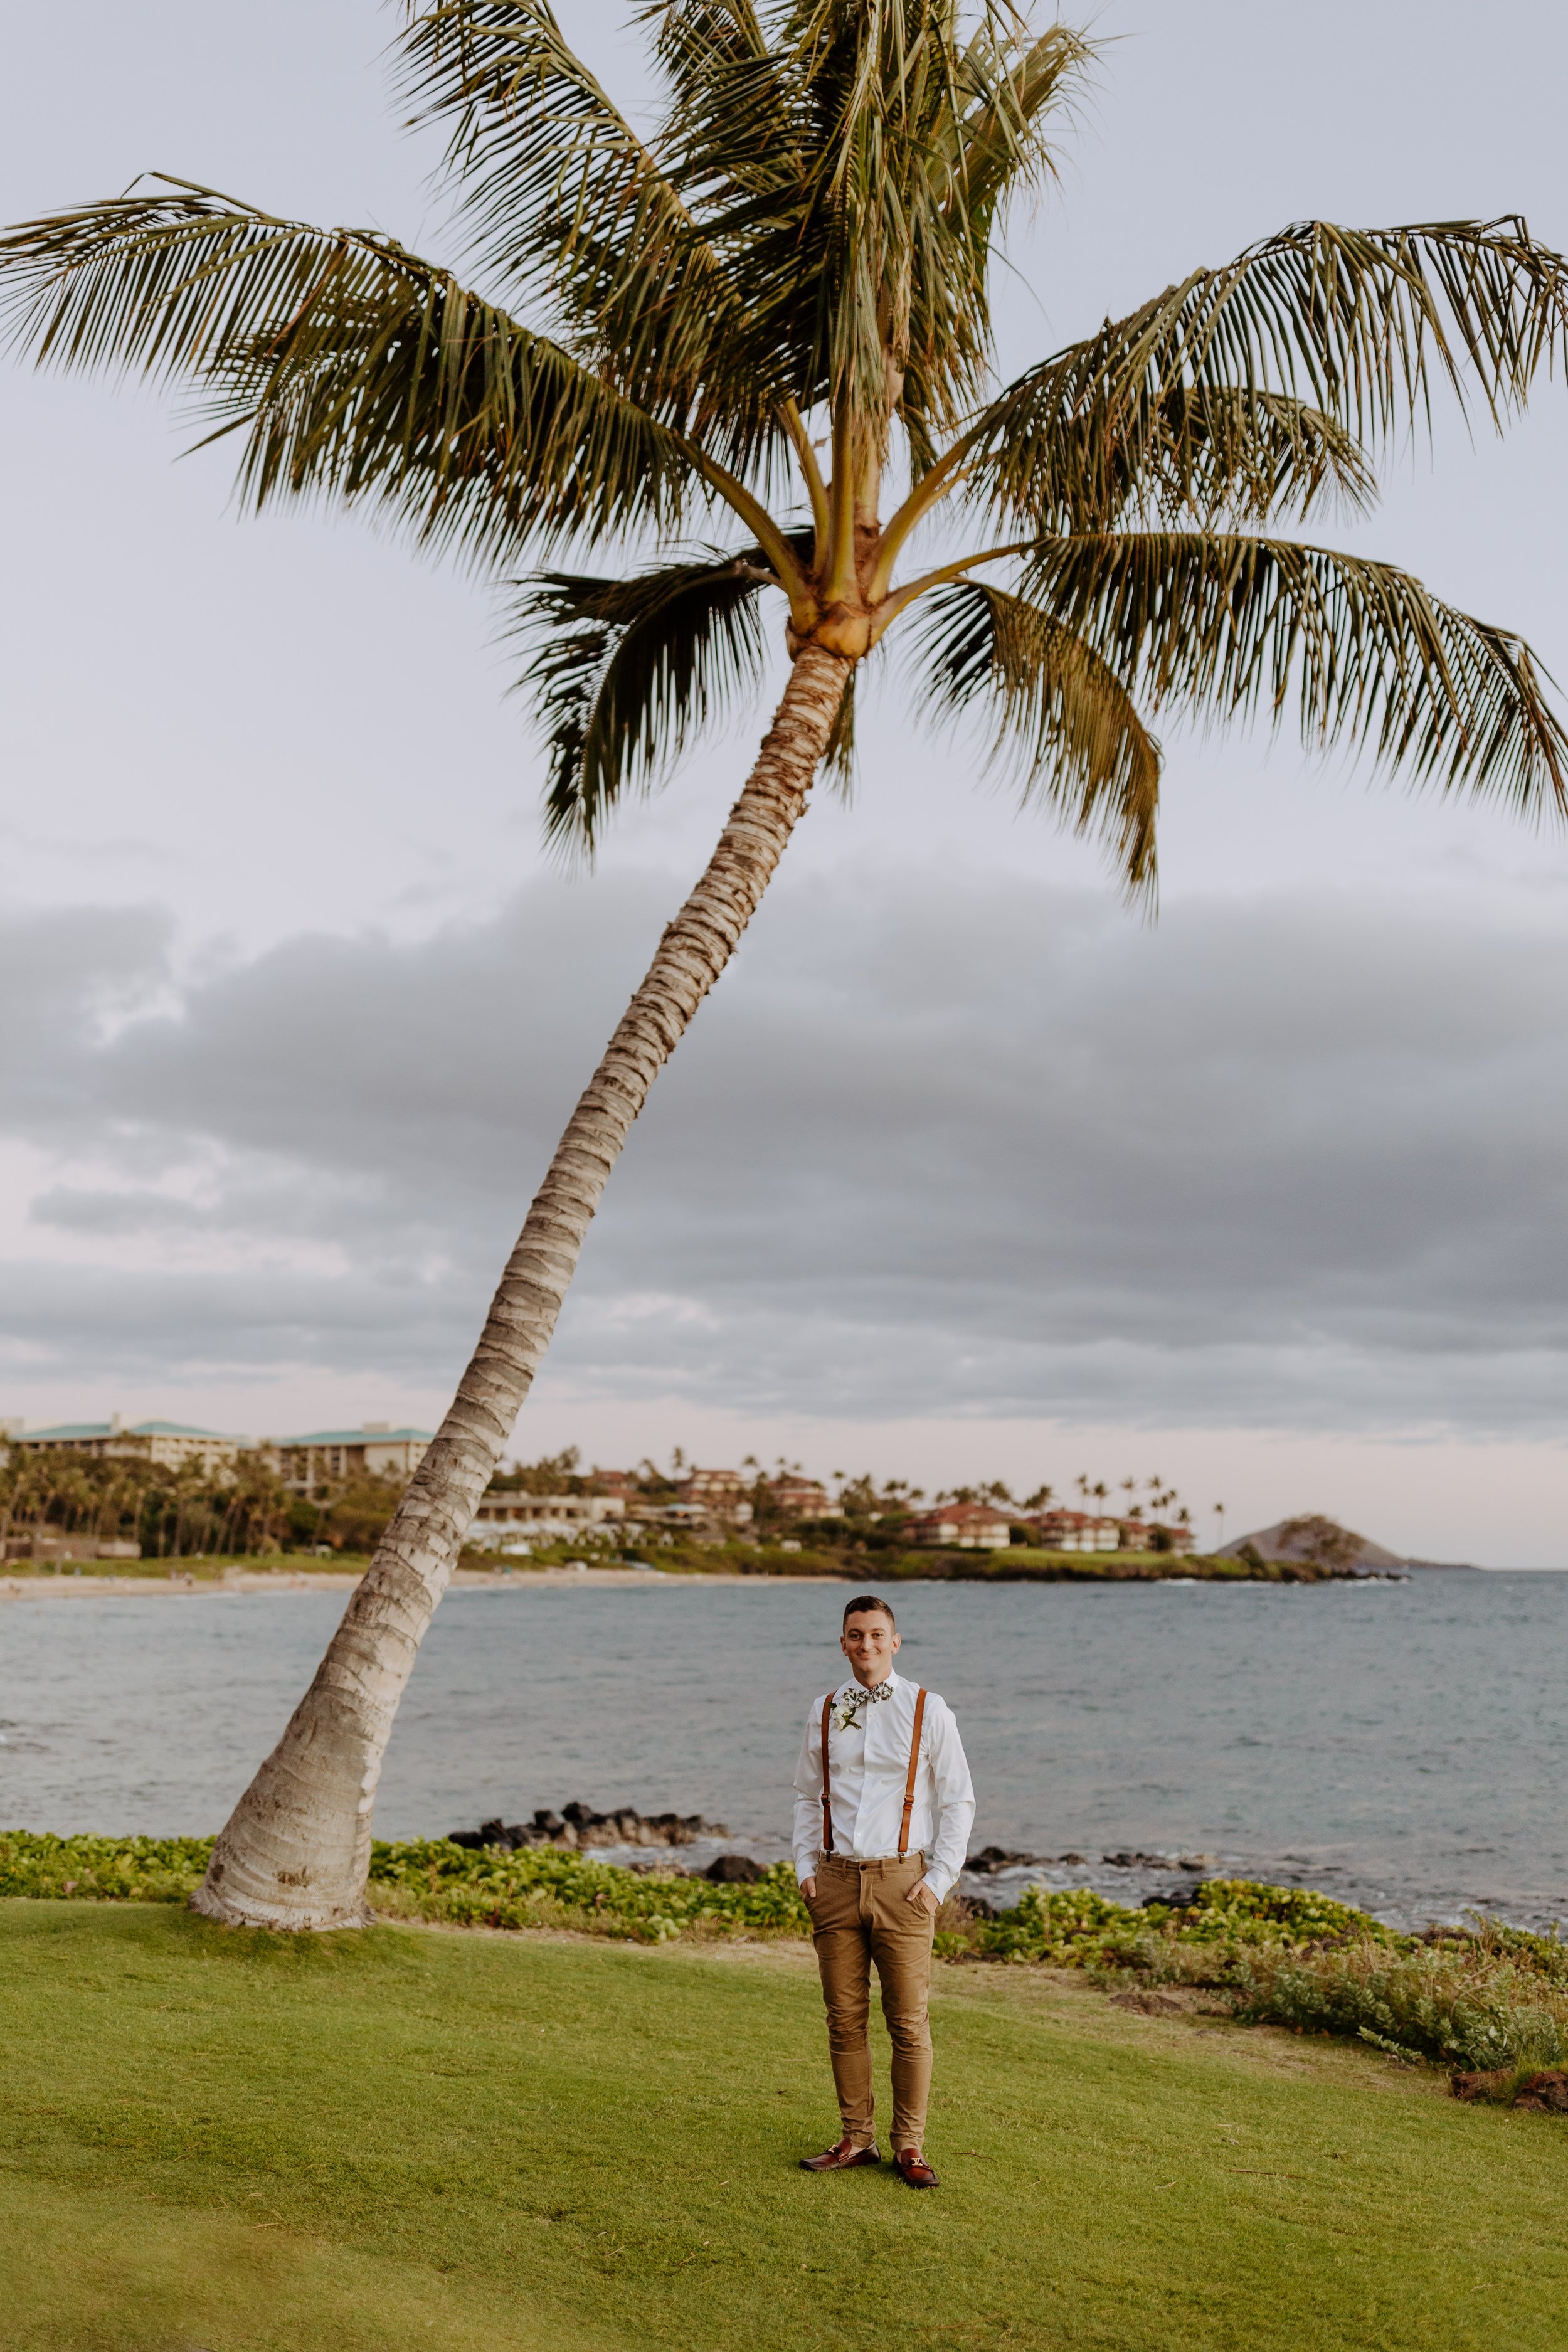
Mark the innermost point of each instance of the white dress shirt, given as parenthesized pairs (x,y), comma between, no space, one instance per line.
(868,1762)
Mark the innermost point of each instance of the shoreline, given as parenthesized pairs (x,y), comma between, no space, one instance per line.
(706,1563)
(188,1586)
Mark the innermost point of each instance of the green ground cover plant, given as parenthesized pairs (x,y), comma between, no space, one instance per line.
(364,2143)
(1198,1940)
(431,1878)
(101,1869)
(1486,1996)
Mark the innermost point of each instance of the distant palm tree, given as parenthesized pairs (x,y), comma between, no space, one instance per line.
(797,261)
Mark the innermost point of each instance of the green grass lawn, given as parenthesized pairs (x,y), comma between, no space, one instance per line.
(484,2143)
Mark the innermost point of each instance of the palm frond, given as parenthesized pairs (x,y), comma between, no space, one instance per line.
(569,203)
(1064,722)
(1358,324)
(850,230)
(811,222)
(1213,451)
(732,123)
(901,95)
(993,144)
(997,148)
(626,671)
(356,368)
(537,151)
(838,759)
(1227,625)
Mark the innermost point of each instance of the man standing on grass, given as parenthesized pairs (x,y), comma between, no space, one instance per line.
(882,1813)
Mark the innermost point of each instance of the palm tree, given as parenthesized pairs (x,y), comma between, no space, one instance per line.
(728,347)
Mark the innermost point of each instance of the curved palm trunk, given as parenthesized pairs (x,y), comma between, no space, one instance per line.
(296,1850)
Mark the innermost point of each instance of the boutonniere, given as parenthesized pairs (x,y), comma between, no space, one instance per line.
(848,1708)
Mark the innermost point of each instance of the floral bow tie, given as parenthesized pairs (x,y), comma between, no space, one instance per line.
(849,1703)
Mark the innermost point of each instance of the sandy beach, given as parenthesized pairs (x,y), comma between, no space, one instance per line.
(189,1586)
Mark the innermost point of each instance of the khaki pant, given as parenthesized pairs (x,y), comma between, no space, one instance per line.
(858,1915)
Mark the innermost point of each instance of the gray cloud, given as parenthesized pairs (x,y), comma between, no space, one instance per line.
(964,1146)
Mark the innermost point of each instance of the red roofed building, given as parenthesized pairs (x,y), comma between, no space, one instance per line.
(1075,1531)
(724,1494)
(624,1483)
(1155,1534)
(963,1527)
(804,1498)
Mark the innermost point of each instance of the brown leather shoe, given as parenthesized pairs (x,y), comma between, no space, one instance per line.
(910,2166)
(841,2158)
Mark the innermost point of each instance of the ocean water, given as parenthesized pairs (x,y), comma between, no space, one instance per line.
(1404,1746)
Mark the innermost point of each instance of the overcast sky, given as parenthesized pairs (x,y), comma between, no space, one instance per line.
(964,1168)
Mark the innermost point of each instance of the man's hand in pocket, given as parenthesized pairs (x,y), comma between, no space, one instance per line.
(922,1895)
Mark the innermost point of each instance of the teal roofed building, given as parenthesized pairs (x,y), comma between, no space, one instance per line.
(325,1457)
(171,1444)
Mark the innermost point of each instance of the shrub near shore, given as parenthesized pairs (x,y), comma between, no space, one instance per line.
(819,1552)
(1492,1997)
(816,1557)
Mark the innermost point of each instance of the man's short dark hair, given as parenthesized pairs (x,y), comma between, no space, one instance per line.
(866,1602)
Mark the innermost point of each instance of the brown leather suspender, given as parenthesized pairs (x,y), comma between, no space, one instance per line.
(910,1783)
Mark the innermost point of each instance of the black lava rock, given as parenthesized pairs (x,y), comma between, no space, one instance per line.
(581,1826)
(733,1870)
(993,1858)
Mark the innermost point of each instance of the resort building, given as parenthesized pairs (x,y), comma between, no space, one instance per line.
(169,1444)
(804,1498)
(724,1494)
(1089,1531)
(624,1483)
(508,1521)
(1155,1534)
(962,1526)
(329,1456)
(695,1517)
(1075,1531)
